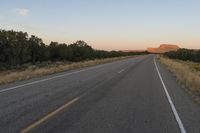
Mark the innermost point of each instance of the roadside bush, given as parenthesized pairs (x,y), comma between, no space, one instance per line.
(17,49)
(184,54)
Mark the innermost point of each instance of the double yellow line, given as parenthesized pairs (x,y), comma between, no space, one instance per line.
(48,116)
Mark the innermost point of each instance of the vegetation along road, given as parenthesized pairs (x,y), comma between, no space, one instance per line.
(134,95)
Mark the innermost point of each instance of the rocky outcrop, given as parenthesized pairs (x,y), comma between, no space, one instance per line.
(163,48)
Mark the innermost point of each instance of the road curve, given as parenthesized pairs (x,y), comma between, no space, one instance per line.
(136,95)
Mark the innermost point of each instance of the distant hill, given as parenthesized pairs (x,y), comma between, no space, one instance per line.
(163,48)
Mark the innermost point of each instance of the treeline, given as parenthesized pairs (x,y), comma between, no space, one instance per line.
(17,49)
(185,54)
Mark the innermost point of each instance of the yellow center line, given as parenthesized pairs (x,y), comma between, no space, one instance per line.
(45,118)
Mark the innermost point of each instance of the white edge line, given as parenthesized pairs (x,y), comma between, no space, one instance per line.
(180,124)
(58,76)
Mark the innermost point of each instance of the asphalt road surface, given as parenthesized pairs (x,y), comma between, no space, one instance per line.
(135,95)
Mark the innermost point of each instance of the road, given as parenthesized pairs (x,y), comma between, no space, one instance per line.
(135,95)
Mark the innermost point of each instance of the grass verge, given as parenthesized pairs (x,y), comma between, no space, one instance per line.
(32,72)
(187,74)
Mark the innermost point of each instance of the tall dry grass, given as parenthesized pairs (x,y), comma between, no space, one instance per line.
(185,72)
(31,72)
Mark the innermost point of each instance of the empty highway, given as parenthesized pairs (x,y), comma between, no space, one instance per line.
(135,95)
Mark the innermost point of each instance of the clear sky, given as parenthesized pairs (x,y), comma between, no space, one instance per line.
(106,24)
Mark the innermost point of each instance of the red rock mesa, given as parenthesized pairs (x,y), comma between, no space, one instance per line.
(163,48)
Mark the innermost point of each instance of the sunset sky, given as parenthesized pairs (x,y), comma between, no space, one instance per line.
(106,24)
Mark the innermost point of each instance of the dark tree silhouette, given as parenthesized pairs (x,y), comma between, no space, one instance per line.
(17,49)
(184,54)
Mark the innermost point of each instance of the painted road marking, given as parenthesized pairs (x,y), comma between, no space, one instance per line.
(121,70)
(58,76)
(45,118)
(180,124)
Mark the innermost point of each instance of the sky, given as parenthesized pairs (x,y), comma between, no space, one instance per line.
(106,24)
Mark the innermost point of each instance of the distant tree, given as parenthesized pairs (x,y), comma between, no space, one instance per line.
(17,48)
(53,50)
(44,54)
(81,51)
(197,56)
(23,54)
(4,49)
(63,51)
(184,54)
(34,45)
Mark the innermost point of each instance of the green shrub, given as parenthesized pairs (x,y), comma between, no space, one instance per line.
(184,54)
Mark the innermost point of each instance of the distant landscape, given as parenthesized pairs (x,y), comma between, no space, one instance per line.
(185,65)
(18,50)
(23,57)
(99,66)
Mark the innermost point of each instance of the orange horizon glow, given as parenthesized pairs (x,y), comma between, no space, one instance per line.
(116,25)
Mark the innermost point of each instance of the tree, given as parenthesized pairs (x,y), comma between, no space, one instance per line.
(53,50)
(44,54)
(81,51)
(184,54)
(4,49)
(17,49)
(23,54)
(34,46)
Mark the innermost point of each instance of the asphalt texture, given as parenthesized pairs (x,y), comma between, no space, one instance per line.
(124,96)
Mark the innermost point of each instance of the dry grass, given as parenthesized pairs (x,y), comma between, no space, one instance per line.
(31,72)
(187,73)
